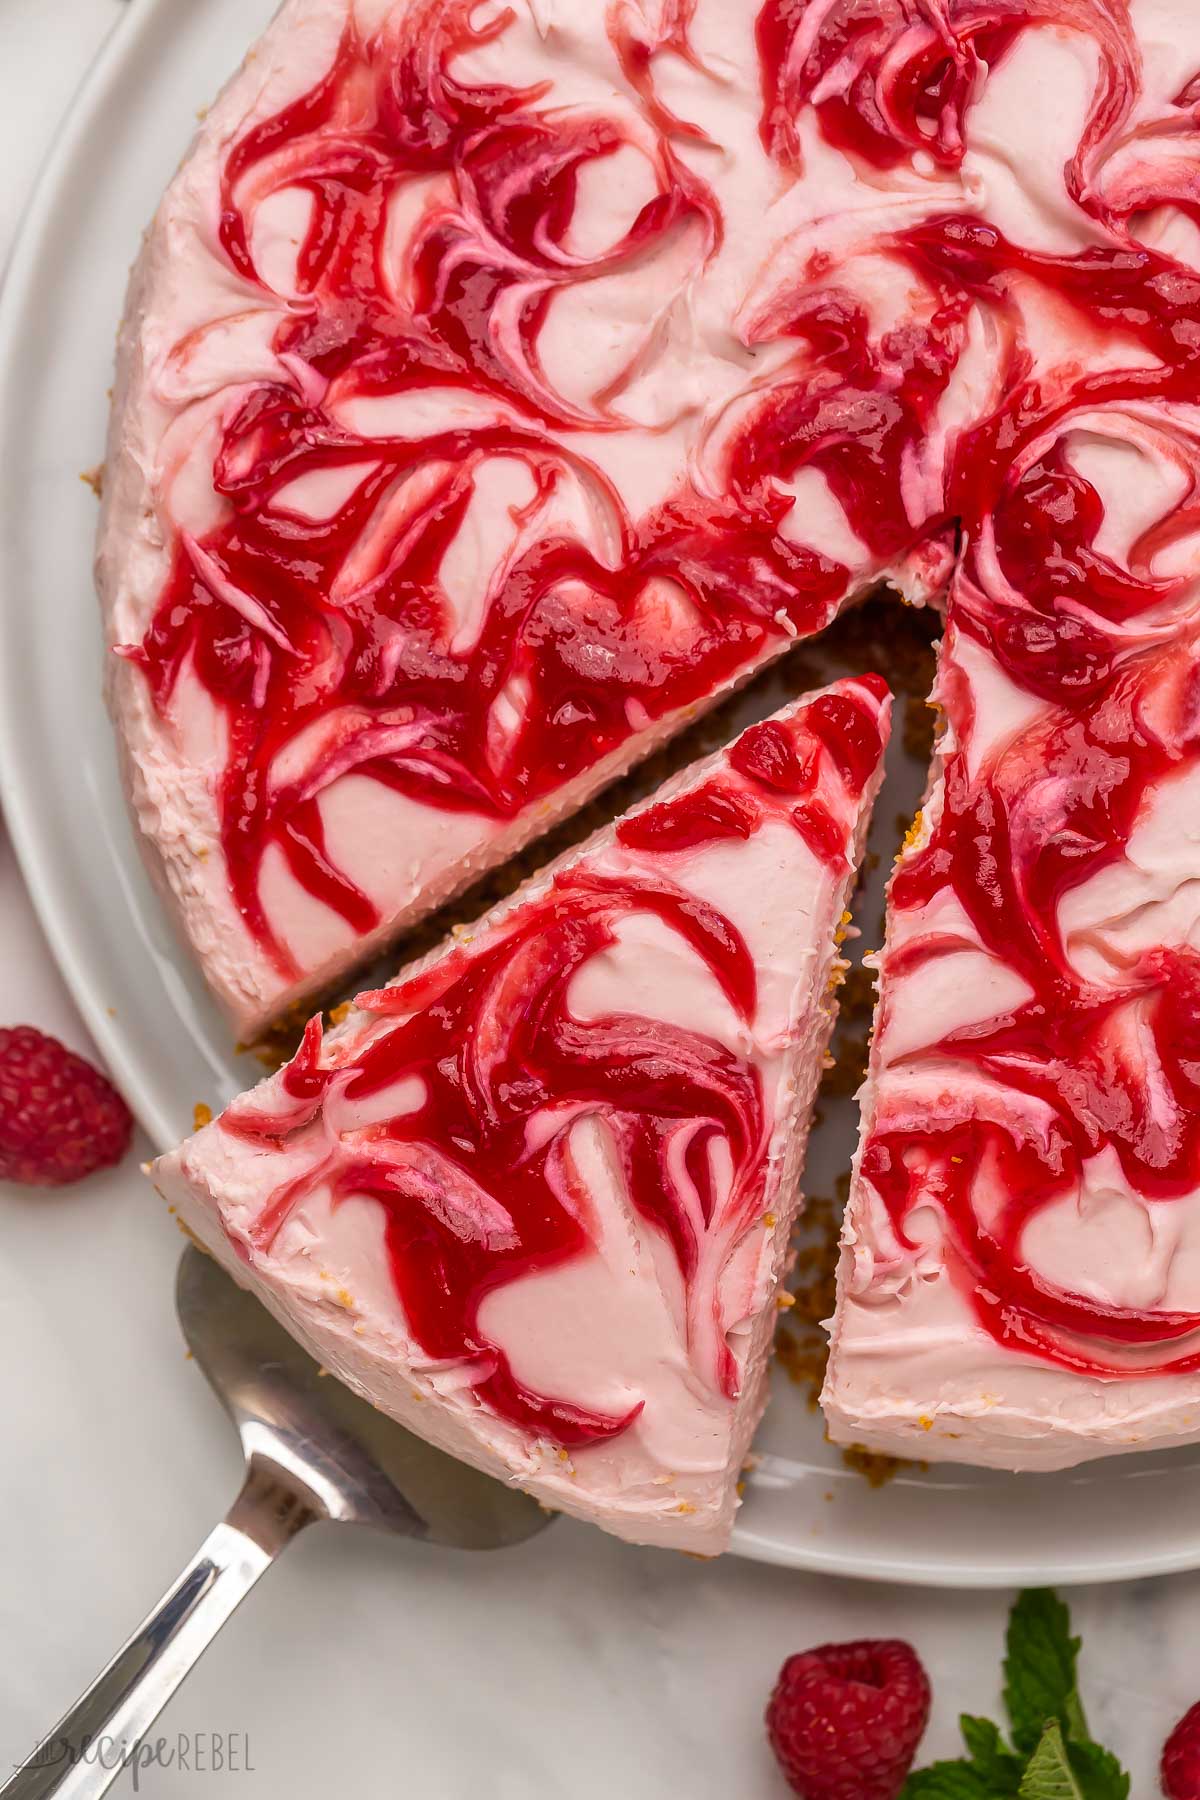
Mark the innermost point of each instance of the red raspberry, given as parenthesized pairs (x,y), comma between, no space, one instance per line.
(1181,1759)
(845,1719)
(59,1117)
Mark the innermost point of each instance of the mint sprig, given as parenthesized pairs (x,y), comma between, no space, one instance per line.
(1052,1754)
(1040,1682)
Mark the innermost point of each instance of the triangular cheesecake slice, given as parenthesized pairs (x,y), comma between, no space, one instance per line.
(533,1199)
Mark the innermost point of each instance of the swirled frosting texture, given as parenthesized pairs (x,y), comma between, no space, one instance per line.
(534,1198)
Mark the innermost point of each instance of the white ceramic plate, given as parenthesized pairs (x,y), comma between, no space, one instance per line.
(145,1005)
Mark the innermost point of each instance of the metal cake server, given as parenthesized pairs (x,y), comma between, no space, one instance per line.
(313,1451)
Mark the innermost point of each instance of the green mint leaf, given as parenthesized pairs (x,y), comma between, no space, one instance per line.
(1039,1671)
(1050,1775)
(1101,1776)
(990,1756)
(1054,1757)
(1061,1771)
(990,1772)
(949,1781)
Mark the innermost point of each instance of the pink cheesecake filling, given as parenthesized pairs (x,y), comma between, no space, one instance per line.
(534,1198)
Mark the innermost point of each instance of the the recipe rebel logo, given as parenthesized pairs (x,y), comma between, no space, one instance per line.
(221,1753)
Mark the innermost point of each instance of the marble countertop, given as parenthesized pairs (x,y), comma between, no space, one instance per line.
(590,1669)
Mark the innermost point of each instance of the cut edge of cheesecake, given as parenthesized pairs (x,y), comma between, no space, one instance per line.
(214,1170)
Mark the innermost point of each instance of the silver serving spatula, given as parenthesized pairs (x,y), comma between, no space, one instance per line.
(313,1451)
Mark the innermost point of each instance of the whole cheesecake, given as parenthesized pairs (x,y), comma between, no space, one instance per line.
(534,1198)
(502,384)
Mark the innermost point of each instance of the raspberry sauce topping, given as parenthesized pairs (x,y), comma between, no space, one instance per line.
(456,1111)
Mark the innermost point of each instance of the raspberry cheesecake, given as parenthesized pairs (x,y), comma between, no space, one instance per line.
(534,1198)
(502,384)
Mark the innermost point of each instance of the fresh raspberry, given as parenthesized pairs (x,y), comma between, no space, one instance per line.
(59,1117)
(845,1719)
(1181,1758)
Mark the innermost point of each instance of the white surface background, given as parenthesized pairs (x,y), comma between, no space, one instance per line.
(572,1667)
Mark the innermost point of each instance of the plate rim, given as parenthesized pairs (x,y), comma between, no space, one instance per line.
(31,845)
(17,285)
(758,1546)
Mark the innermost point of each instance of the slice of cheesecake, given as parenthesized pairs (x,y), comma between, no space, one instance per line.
(1020,1278)
(534,1198)
(1019,1284)
(476,423)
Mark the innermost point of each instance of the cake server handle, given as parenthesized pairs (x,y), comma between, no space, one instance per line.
(105,1731)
